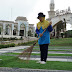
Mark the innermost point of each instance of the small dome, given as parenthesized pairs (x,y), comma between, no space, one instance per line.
(21,18)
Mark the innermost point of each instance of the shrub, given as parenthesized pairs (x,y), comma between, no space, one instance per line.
(13,38)
(11,45)
(7,45)
(26,43)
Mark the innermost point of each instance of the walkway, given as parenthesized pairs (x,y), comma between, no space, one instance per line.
(6,69)
(11,49)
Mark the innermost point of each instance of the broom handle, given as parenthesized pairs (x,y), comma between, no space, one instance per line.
(42,33)
(39,37)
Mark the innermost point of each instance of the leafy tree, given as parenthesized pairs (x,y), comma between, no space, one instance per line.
(0,30)
(29,33)
(36,35)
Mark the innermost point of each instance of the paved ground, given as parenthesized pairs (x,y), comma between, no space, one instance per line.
(11,49)
(50,52)
(51,59)
(6,69)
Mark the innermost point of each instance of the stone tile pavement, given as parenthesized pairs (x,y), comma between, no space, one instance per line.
(6,69)
(11,49)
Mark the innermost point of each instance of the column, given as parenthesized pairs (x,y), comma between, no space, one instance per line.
(33,31)
(18,29)
(27,28)
(3,31)
(12,28)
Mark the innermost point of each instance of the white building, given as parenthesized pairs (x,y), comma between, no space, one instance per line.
(59,17)
(10,29)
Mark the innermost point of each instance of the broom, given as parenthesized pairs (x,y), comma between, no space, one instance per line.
(27,53)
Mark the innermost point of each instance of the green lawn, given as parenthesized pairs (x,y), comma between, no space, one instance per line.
(55,50)
(55,47)
(63,43)
(9,61)
(39,54)
(37,49)
(60,42)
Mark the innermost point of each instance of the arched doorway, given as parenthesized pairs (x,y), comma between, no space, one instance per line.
(22,30)
(7,32)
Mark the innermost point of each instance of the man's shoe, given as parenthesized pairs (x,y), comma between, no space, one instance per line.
(42,62)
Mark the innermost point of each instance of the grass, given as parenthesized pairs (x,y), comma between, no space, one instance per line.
(54,50)
(54,54)
(65,43)
(53,42)
(39,54)
(61,42)
(61,50)
(56,47)
(10,61)
(49,50)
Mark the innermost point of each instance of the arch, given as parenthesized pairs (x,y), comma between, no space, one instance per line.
(22,25)
(7,29)
(22,29)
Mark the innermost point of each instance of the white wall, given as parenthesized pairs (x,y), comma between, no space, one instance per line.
(61,17)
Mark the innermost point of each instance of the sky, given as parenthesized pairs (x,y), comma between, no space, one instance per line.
(10,9)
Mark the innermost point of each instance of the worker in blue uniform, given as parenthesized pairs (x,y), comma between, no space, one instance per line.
(44,40)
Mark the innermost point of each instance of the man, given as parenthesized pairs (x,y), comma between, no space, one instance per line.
(44,38)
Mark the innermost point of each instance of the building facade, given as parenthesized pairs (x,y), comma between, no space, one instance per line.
(59,19)
(10,29)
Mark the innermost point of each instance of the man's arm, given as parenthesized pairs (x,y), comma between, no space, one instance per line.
(50,27)
(37,31)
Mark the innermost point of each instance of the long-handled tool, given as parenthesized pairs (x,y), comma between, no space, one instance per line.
(27,53)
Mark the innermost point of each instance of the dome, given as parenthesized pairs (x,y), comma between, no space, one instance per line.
(21,18)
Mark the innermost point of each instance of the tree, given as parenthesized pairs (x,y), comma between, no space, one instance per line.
(36,35)
(29,33)
(0,30)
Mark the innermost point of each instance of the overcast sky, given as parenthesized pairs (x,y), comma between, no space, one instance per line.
(10,9)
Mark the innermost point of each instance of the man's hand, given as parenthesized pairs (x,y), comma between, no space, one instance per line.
(40,35)
(50,23)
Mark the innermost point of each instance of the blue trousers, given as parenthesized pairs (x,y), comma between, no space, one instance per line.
(43,52)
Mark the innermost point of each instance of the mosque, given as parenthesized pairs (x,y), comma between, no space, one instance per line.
(59,19)
(18,28)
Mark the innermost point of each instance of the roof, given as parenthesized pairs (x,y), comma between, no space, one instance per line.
(21,18)
(6,21)
(31,24)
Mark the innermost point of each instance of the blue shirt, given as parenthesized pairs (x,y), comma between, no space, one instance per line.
(45,39)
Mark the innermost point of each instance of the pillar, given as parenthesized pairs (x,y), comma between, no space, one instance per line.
(3,30)
(12,28)
(18,29)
